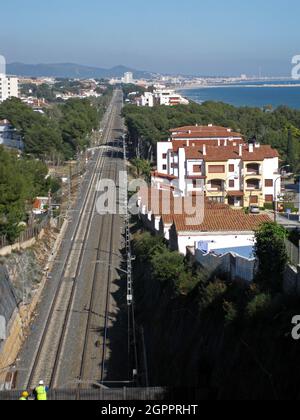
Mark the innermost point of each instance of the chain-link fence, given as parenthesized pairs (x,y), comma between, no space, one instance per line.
(8,302)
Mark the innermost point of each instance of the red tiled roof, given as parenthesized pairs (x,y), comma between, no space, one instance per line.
(160,175)
(235,193)
(218,217)
(178,144)
(206,135)
(199,128)
(222,220)
(224,153)
(203,132)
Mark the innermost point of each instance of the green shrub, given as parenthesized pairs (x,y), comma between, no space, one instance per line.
(258,306)
(212,294)
(269,206)
(231,312)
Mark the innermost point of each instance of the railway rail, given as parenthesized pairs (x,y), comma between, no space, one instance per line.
(48,356)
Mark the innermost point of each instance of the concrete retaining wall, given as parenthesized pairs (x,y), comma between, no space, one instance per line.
(291,284)
(19,246)
(233,266)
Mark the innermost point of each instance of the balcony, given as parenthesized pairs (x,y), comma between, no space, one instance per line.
(216,185)
(253,185)
(253,169)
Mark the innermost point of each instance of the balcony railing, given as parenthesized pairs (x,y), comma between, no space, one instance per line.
(253,187)
(220,189)
(253,172)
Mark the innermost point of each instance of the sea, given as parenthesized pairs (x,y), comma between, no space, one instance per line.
(253,94)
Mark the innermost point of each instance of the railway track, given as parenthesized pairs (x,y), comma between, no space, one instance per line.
(99,270)
(47,358)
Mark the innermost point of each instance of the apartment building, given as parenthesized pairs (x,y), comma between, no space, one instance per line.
(9,87)
(165,97)
(128,78)
(219,162)
(9,136)
(147,100)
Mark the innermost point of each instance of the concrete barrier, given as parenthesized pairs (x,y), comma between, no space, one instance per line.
(233,266)
(291,283)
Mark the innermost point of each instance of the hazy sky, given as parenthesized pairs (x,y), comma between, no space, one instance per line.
(190,36)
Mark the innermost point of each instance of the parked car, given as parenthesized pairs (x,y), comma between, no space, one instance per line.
(254,210)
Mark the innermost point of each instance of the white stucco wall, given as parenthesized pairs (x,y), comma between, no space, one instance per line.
(222,240)
(163,148)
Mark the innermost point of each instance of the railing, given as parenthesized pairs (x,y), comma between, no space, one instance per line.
(27,234)
(293,252)
(3,241)
(105,394)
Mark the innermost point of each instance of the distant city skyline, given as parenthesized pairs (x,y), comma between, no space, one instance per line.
(191,38)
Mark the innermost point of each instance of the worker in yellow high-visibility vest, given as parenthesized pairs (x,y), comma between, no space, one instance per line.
(41,392)
(25,396)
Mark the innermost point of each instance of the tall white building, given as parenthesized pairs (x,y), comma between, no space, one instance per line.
(128,78)
(9,87)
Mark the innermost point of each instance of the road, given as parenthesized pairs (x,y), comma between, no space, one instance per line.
(80,335)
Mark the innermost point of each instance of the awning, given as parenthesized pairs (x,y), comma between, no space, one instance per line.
(235,193)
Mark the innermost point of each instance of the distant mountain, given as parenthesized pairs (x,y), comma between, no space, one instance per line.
(70,70)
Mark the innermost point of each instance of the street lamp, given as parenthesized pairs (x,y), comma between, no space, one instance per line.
(275,190)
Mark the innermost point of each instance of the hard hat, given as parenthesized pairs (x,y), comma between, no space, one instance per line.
(25,394)
(41,383)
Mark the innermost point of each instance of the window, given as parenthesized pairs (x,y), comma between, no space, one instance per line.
(164,167)
(269,183)
(216,169)
(269,198)
(174,165)
(194,183)
(197,168)
(231,183)
(231,168)
(164,156)
(254,199)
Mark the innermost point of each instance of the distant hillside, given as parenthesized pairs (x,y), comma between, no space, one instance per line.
(69,70)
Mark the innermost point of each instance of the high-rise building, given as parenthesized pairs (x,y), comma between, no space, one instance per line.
(128,78)
(9,87)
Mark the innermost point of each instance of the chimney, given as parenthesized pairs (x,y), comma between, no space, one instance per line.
(188,143)
(241,150)
(225,143)
(219,142)
(204,150)
(251,147)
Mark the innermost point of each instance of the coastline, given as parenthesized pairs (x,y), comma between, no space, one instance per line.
(194,87)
